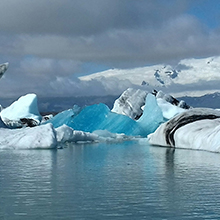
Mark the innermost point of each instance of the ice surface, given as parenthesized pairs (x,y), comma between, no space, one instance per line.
(193,129)
(152,116)
(168,109)
(138,114)
(65,133)
(26,138)
(130,103)
(24,108)
(3,68)
(2,125)
(104,135)
(99,117)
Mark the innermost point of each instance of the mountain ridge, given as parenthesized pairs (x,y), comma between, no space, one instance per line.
(194,77)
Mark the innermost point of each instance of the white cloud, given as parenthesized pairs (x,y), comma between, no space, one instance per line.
(49,40)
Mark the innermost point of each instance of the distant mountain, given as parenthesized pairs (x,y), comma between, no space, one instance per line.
(207,101)
(191,75)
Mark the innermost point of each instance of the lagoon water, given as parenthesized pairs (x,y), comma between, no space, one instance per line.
(127,180)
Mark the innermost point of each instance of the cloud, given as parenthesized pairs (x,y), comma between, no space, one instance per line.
(175,39)
(83,17)
(48,43)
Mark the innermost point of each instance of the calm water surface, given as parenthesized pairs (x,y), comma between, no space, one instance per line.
(129,180)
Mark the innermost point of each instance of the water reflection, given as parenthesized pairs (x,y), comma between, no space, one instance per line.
(109,181)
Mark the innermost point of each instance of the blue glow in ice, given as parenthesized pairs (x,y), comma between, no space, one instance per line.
(100,117)
(152,116)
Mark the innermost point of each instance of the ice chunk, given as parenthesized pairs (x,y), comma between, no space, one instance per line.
(22,112)
(3,68)
(46,118)
(199,135)
(197,128)
(130,103)
(99,117)
(168,109)
(152,116)
(65,133)
(2,125)
(104,135)
(170,99)
(26,138)
(63,117)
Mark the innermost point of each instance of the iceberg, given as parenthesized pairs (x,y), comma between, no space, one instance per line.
(66,134)
(130,103)
(3,68)
(100,117)
(197,128)
(169,110)
(136,113)
(23,112)
(27,138)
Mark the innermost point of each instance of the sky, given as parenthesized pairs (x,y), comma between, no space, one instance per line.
(50,43)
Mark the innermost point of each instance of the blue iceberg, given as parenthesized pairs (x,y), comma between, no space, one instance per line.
(100,117)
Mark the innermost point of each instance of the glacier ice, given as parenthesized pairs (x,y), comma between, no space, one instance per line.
(99,117)
(3,68)
(65,133)
(22,112)
(197,128)
(168,109)
(130,103)
(135,114)
(171,99)
(26,138)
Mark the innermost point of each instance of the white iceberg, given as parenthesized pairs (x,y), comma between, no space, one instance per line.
(197,128)
(22,112)
(66,134)
(168,109)
(130,103)
(27,138)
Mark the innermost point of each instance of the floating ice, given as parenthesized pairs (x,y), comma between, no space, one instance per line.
(197,128)
(138,114)
(22,112)
(168,109)
(26,138)
(99,117)
(171,99)
(104,135)
(65,133)
(130,103)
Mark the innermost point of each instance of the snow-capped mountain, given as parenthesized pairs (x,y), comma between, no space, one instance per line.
(157,75)
(200,76)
